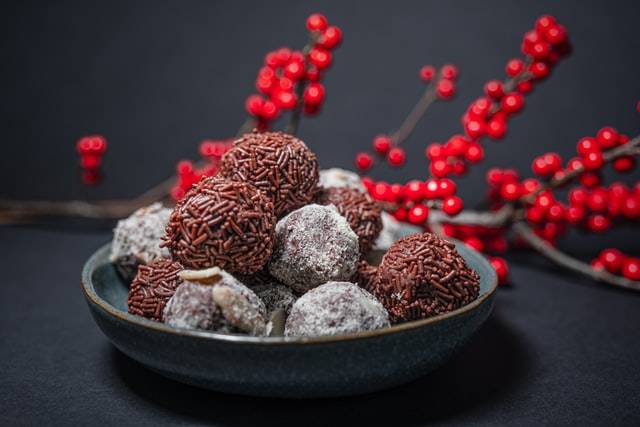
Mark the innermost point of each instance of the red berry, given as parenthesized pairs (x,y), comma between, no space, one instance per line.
(540,167)
(401,214)
(452,205)
(284,99)
(596,264)
(320,57)
(539,69)
(474,243)
(514,67)
(427,72)
(631,268)
(578,196)
(382,144)
(445,89)
(283,54)
(432,189)
(446,187)
(418,214)
(597,200)
(624,164)
(253,105)
(459,167)
(512,102)
(83,146)
(269,111)
(501,267)
(497,244)
(363,161)
(495,176)
(382,191)
(314,94)
(456,146)
(556,212)
(530,185)
(544,200)
(586,145)
(539,50)
(631,207)
(449,71)
(294,70)
(525,87)
(316,22)
(607,137)
(590,179)
(496,128)
(435,151)
(312,74)
(474,153)
(311,110)
(544,22)
(511,191)
(555,34)
(612,259)
(593,160)
(574,163)
(330,38)
(493,89)
(184,168)
(396,156)
(598,223)
(90,161)
(414,190)
(480,108)
(474,128)
(575,214)
(439,168)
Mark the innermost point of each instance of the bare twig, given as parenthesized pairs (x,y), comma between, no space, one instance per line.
(564,260)
(410,123)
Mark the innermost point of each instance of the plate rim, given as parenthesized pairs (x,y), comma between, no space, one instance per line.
(93,298)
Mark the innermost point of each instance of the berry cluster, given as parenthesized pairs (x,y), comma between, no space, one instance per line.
(188,174)
(440,84)
(615,262)
(288,75)
(91,149)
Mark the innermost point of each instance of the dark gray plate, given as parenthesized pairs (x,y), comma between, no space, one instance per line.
(278,366)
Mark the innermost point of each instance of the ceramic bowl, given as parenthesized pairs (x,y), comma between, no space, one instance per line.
(285,367)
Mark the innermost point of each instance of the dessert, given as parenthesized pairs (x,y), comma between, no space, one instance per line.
(222,223)
(360,211)
(365,275)
(278,164)
(214,300)
(423,275)
(136,239)
(152,287)
(336,177)
(335,308)
(314,245)
(275,297)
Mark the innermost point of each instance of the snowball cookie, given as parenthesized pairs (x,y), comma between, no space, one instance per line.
(336,177)
(278,164)
(222,223)
(335,308)
(314,245)
(361,212)
(421,276)
(136,240)
(275,297)
(214,300)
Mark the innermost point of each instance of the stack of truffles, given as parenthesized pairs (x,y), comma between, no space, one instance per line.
(273,241)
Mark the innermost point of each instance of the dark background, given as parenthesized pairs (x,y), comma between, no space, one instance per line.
(158,77)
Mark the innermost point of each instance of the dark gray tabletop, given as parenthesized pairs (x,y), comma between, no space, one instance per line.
(157,77)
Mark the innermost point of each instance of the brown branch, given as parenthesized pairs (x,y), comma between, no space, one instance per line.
(416,114)
(564,260)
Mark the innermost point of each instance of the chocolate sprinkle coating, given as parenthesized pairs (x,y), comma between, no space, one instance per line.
(278,164)
(152,287)
(361,212)
(365,275)
(335,308)
(314,245)
(421,276)
(222,223)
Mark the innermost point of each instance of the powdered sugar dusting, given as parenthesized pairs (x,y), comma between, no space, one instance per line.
(136,239)
(314,245)
(336,177)
(335,308)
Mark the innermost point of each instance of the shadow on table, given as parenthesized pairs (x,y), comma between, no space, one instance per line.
(491,366)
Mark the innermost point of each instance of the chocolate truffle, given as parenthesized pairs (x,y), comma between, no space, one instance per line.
(314,245)
(152,287)
(222,223)
(214,300)
(360,211)
(136,239)
(278,164)
(336,177)
(335,308)
(423,275)
(365,275)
